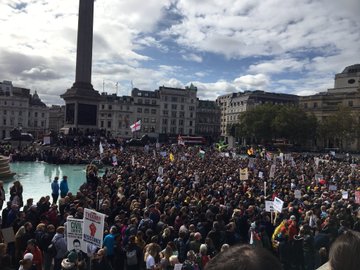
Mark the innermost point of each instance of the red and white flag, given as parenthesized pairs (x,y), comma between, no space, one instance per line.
(136,126)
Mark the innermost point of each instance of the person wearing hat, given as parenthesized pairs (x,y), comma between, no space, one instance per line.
(36,252)
(27,262)
(70,262)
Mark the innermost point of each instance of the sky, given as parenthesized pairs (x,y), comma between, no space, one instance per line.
(220,46)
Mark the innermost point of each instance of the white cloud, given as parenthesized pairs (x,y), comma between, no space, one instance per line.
(252,82)
(192,57)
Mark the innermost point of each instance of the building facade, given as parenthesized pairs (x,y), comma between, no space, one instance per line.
(232,105)
(20,109)
(346,93)
(56,117)
(208,117)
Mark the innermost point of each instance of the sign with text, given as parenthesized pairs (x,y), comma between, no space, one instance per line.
(74,235)
(93,227)
(345,195)
(244,175)
(278,204)
(332,187)
(269,206)
(272,171)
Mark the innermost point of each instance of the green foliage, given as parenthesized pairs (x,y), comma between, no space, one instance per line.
(268,122)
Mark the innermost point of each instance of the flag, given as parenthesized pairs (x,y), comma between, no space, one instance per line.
(136,126)
(181,141)
(101,148)
(171,157)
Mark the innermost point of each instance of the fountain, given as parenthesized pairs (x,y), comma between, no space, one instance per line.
(5,172)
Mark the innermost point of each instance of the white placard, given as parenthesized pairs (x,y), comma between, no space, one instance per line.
(345,195)
(178,266)
(74,235)
(160,170)
(297,194)
(278,204)
(272,171)
(269,206)
(332,187)
(8,235)
(132,160)
(93,227)
(261,175)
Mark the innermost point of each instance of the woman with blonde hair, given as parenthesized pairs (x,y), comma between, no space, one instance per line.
(149,257)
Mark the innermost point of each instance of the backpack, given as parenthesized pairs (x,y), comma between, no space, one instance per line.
(131,257)
(51,250)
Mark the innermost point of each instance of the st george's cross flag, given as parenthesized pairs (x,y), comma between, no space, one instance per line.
(136,126)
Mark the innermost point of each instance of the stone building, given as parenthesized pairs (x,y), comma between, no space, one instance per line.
(20,109)
(232,105)
(208,119)
(346,93)
(56,117)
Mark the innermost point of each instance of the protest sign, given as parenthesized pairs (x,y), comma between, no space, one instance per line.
(357,197)
(297,194)
(278,204)
(272,171)
(261,175)
(332,187)
(244,175)
(74,235)
(269,206)
(345,195)
(8,235)
(93,227)
(178,266)
(160,170)
(132,160)
(251,163)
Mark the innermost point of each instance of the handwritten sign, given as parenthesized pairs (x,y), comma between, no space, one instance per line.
(278,204)
(93,227)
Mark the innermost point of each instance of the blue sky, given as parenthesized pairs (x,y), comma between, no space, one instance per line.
(221,46)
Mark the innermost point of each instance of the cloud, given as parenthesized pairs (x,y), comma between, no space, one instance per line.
(192,57)
(252,82)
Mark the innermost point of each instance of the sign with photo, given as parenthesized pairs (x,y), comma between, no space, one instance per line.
(74,235)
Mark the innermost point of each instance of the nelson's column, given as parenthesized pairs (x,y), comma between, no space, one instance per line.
(81,99)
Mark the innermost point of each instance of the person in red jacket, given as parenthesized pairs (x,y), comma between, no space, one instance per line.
(36,252)
(293,230)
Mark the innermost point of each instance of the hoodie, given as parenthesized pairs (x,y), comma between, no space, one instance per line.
(60,245)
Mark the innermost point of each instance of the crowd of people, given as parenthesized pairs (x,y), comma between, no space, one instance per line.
(180,204)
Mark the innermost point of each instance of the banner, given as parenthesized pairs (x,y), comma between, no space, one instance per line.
(74,235)
(278,204)
(297,194)
(244,175)
(93,227)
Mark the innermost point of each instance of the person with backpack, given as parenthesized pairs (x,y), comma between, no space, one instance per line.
(133,255)
(59,246)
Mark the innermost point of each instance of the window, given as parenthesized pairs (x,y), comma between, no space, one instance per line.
(173,130)
(42,124)
(146,110)
(153,102)
(110,107)
(182,100)
(165,121)
(5,112)
(173,106)
(191,115)
(181,114)
(190,131)
(173,122)
(147,101)
(190,123)
(139,110)
(191,108)
(165,106)
(173,114)
(109,114)
(102,106)
(102,124)
(182,107)
(153,120)
(35,123)
(146,120)
(36,114)
(20,113)
(163,129)
(174,99)
(120,124)
(351,103)
(42,114)
(109,124)
(153,111)
(4,122)
(181,122)
(140,101)
(165,112)
(315,104)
